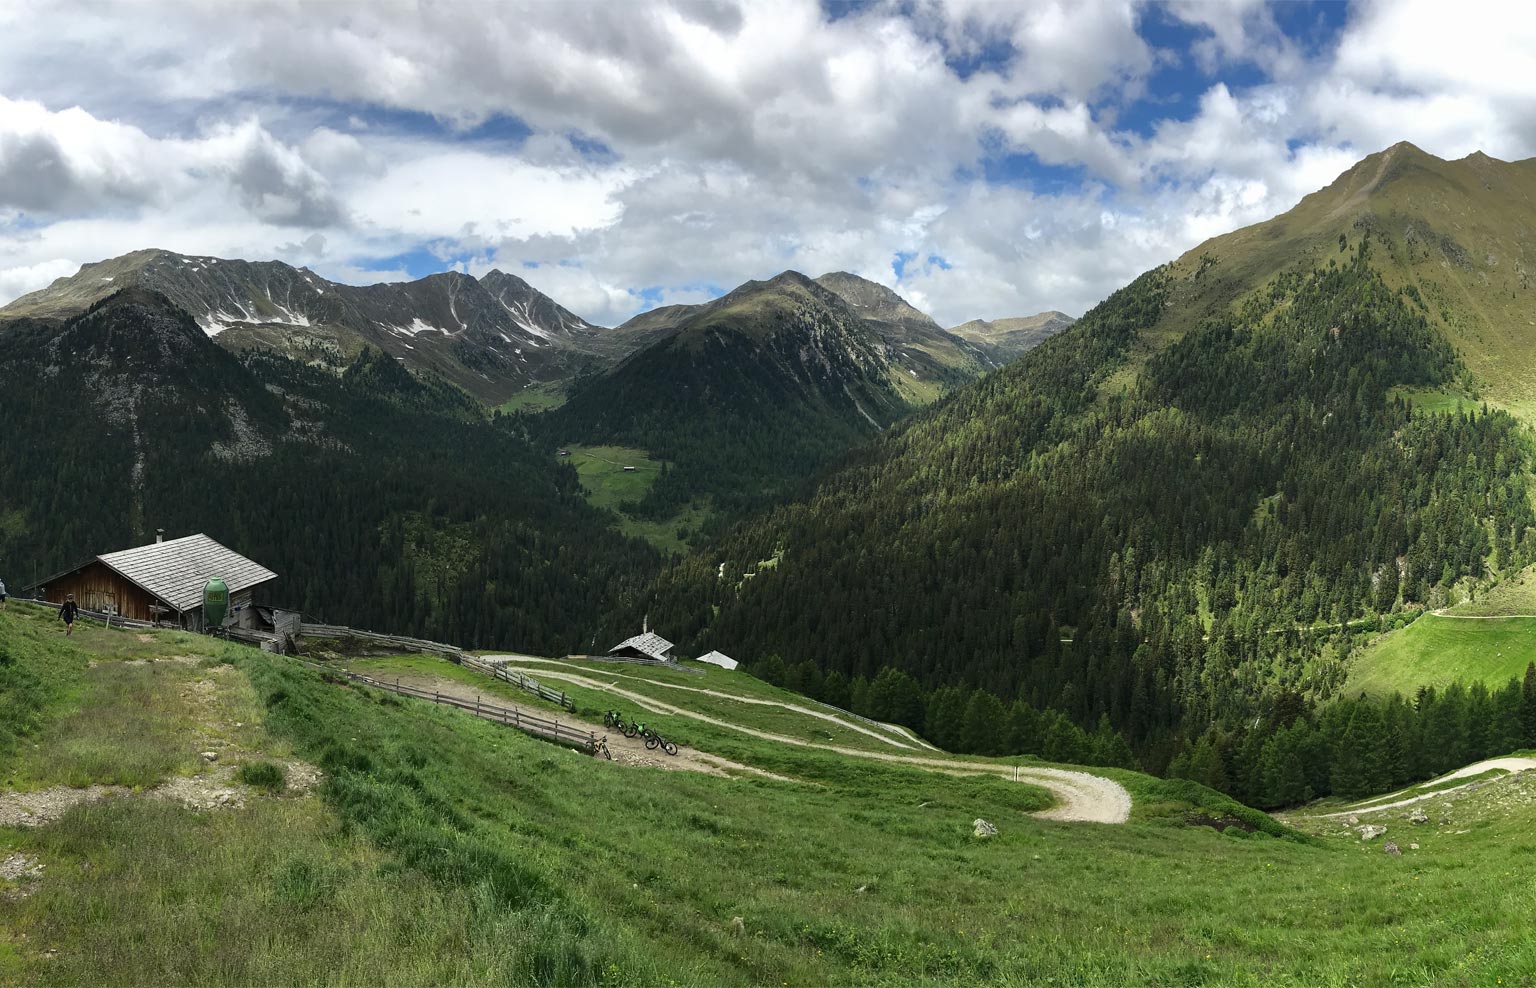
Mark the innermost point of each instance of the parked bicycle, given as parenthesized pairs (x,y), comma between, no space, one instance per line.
(654,740)
(600,748)
(615,720)
(636,728)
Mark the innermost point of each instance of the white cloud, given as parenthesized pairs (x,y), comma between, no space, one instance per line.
(746,137)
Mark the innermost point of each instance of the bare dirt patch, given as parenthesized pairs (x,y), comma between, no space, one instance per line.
(22,869)
(35,809)
(303,778)
(214,790)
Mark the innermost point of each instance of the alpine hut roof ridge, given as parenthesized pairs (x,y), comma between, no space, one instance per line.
(649,643)
(177,570)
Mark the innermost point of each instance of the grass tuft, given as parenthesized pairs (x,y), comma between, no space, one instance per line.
(263,775)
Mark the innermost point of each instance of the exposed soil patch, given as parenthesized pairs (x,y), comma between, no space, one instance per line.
(35,809)
(177,660)
(214,790)
(21,868)
(302,778)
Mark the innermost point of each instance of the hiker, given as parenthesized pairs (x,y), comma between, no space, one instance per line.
(2,595)
(68,612)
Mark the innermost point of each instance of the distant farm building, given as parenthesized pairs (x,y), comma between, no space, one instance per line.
(719,659)
(629,469)
(643,646)
(163,582)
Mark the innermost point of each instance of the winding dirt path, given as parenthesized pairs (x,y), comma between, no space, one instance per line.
(1510,765)
(500,660)
(1083,798)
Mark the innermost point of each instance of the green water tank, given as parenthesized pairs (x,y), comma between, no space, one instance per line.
(215,603)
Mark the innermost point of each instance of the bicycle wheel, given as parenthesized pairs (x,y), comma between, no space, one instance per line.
(630,731)
(607,754)
(651,742)
(669,747)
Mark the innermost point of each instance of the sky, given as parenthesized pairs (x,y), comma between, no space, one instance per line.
(983,158)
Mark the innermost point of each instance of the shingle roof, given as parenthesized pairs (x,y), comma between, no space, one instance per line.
(650,643)
(176,571)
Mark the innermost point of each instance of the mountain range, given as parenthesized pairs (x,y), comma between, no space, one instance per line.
(491,336)
(495,336)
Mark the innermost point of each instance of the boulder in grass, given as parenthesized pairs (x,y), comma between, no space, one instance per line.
(1419,816)
(1391,848)
(1371,831)
(984,829)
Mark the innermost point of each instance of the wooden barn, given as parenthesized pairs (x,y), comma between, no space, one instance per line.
(162,582)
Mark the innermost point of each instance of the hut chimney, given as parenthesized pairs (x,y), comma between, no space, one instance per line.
(159,536)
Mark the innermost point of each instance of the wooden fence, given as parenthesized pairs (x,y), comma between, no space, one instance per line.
(519,680)
(394,642)
(505,716)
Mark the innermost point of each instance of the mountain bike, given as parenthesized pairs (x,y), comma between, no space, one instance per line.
(614,720)
(600,748)
(634,728)
(654,740)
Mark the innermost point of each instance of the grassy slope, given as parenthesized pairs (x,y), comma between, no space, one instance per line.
(590,703)
(608,485)
(446,849)
(1439,650)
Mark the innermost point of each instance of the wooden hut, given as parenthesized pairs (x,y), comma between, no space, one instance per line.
(648,645)
(162,581)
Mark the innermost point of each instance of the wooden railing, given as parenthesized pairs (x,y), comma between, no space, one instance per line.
(505,716)
(520,681)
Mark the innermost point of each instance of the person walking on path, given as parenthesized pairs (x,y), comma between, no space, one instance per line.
(68,612)
(2,595)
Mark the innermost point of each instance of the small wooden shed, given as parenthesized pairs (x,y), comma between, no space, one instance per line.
(162,581)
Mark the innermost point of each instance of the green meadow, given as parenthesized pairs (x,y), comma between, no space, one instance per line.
(1438,650)
(438,848)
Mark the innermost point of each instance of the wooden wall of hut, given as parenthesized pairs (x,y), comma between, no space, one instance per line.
(98,588)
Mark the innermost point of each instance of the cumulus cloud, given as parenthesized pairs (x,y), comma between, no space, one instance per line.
(688,146)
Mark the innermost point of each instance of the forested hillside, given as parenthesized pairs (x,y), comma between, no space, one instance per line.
(1132,521)
(746,398)
(382,500)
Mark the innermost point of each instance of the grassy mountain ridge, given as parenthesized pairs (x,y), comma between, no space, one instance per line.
(1457,235)
(1009,339)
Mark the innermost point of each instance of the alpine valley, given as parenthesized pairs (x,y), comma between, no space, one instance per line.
(1039,620)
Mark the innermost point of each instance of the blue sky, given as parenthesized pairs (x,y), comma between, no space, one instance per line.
(985,159)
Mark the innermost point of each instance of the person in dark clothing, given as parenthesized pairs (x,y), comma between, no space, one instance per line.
(68,612)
